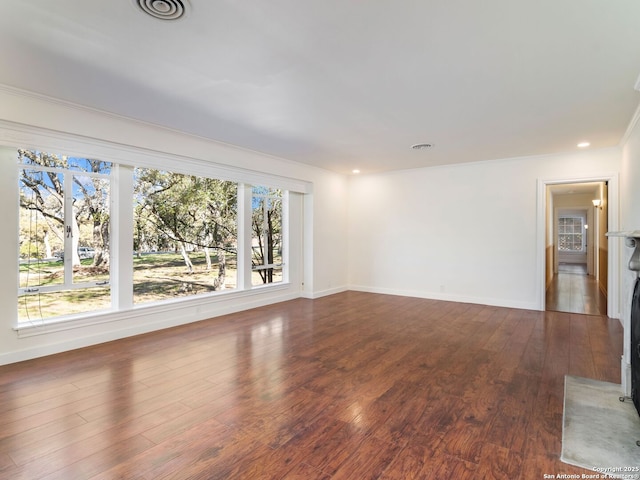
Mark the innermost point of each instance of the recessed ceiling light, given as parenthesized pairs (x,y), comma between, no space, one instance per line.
(163,9)
(355,170)
(583,144)
(422,146)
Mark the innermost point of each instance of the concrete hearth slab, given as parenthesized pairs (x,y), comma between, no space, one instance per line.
(599,431)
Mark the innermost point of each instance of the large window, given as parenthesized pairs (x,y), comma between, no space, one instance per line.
(184,230)
(571,236)
(64,235)
(185,235)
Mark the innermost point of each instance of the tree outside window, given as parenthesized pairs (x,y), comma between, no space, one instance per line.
(64,234)
(184,235)
(266,241)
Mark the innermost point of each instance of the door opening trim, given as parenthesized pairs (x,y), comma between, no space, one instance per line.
(613,281)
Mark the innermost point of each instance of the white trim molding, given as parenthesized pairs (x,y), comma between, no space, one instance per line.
(27,136)
(632,123)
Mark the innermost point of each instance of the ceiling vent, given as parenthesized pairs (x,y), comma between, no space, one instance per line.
(422,146)
(164,9)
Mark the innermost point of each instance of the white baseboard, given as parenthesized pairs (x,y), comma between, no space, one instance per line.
(449,297)
(324,293)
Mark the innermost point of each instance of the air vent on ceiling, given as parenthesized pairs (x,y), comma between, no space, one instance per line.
(422,146)
(163,9)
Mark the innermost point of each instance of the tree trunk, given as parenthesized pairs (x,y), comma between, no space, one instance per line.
(185,256)
(218,283)
(47,245)
(101,240)
(75,239)
(207,256)
(270,246)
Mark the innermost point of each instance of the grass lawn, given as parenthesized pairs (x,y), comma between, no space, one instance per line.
(156,277)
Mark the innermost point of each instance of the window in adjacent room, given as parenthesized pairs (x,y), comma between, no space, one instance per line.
(571,236)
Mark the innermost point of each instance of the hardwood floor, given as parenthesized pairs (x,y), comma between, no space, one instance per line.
(350,386)
(573,291)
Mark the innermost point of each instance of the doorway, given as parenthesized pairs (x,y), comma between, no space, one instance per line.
(576,247)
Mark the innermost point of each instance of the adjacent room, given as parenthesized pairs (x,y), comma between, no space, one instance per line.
(335,240)
(578,258)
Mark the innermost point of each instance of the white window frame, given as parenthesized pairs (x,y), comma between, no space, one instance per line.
(123,157)
(122,290)
(264,230)
(68,283)
(583,247)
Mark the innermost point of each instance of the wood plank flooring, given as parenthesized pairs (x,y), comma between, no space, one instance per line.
(573,291)
(350,386)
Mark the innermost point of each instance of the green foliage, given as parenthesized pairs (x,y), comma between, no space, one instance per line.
(174,209)
(42,197)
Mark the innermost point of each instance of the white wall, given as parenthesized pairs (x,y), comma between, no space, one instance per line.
(630,182)
(330,264)
(320,256)
(464,233)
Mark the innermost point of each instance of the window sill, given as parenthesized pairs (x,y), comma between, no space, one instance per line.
(70,322)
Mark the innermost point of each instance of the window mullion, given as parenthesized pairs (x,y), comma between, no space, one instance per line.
(265,229)
(244,237)
(121,238)
(69,233)
(285,236)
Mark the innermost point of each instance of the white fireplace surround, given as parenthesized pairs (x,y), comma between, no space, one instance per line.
(632,240)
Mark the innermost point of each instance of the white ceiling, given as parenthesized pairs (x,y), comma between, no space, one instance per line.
(589,188)
(344,84)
